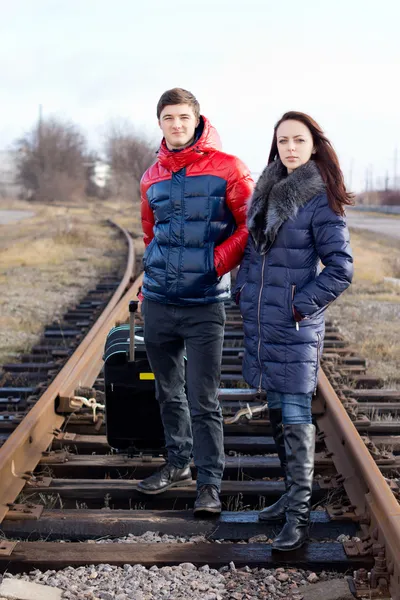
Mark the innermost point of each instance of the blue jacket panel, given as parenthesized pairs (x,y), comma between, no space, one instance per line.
(191,218)
(278,355)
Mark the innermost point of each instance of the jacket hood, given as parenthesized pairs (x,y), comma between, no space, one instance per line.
(278,197)
(209,141)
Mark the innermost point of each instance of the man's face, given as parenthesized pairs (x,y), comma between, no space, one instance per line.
(178,123)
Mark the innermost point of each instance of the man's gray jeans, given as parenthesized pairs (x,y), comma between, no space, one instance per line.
(170,333)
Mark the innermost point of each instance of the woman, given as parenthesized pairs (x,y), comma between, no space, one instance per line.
(295,219)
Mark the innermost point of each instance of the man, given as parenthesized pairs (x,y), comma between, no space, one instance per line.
(194,223)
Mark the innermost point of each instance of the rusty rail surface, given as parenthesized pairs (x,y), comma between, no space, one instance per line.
(367,489)
(22,451)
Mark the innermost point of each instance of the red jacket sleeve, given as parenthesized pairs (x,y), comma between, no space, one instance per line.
(147,215)
(239,189)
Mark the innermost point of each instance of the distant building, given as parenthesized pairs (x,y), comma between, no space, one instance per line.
(9,188)
(99,179)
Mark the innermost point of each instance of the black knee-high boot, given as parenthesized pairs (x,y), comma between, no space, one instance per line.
(300,448)
(278,510)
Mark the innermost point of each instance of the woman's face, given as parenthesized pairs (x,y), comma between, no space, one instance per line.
(295,144)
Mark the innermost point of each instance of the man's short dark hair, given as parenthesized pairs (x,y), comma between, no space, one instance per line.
(178,96)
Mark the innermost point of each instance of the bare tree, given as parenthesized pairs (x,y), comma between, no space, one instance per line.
(50,161)
(390,198)
(379,198)
(129,155)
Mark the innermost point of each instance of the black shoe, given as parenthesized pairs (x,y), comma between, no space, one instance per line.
(207,500)
(168,477)
(275,512)
(299,445)
(292,536)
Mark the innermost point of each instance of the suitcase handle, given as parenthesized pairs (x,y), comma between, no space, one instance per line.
(133,306)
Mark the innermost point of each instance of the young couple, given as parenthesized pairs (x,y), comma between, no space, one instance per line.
(200,219)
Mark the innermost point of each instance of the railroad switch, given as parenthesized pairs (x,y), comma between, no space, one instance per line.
(6,548)
(25,512)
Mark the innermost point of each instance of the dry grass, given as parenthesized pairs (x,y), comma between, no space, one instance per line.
(369,311)
(49,261)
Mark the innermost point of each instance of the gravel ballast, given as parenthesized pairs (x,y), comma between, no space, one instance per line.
(135,582)
(184,581)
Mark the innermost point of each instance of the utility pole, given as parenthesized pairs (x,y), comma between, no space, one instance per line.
(40,119)
(39,134)
(366,186)
(395,169)
(351,173)
(387,181)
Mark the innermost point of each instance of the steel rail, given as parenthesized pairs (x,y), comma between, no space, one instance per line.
(22,451)
(365,485)
(374,502)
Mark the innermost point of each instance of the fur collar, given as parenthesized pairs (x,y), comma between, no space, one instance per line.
(277,197)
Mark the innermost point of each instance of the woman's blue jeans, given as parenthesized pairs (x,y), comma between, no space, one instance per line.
(296,408)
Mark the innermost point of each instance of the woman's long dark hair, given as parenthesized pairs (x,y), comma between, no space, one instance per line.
(325,157)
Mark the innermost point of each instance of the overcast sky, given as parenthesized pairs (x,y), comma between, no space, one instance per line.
(246,61)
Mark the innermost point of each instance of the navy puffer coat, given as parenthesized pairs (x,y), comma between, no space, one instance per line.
(291,229)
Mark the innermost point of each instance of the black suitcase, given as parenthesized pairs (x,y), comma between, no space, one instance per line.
(133,422)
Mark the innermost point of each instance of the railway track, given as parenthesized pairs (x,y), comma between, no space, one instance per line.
(61,481)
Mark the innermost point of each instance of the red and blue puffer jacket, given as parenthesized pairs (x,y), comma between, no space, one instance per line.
(193,207)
